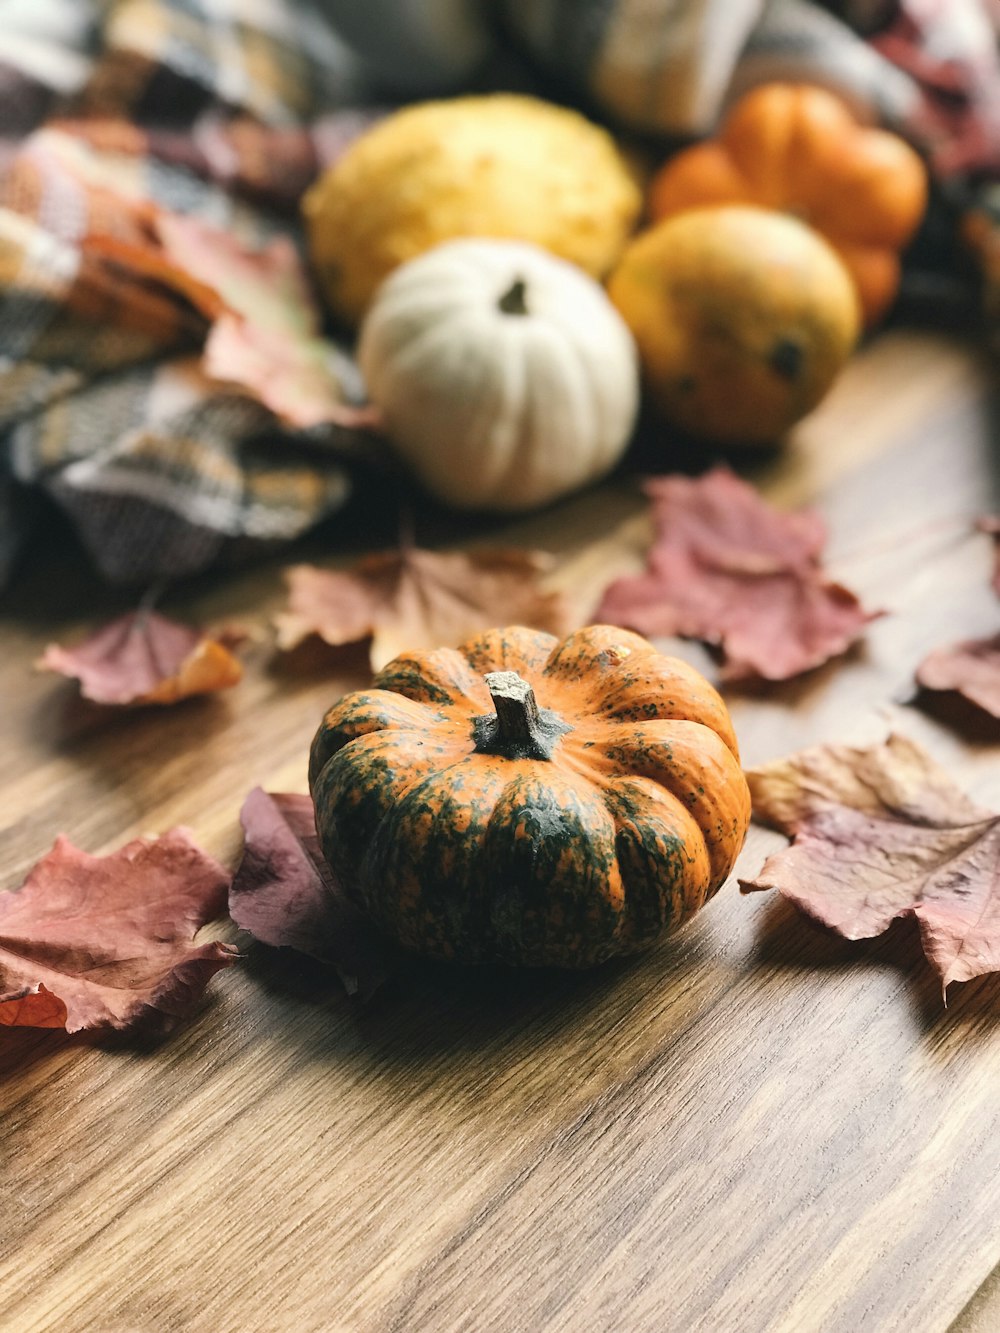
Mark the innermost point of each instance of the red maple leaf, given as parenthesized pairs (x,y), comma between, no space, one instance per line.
(971,668)
(411,599)
(285,894)
(107,941)
(266,331)
(881,832)
(144,658)
(728,568)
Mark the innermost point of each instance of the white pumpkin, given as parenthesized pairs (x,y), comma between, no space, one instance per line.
(504,375)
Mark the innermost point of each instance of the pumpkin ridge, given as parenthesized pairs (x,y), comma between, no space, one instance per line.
(597,647)
(428,672)
(525,464)
(649,752)
(414,906)
(748,156)
(601,764)
(507,649)
(491,406)
(390,737)
(493,411)
(520,445)
(374,715)
(655,854)
(347,758)
(617,698)
(600,408)
(554,891)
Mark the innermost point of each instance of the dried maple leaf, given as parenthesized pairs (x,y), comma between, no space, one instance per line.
(144,658)
(881,832)
(727,568)
(971,668)
(31,1007)
(106,941)
(285,894)
(266,337)
(412,599)
(991,525)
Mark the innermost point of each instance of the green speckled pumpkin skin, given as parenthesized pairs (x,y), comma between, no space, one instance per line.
(630,826)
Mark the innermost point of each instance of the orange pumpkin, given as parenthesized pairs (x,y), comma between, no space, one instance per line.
(799,149)
(531,801)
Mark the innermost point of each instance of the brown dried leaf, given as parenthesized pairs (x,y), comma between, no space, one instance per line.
(881,832)
(266,336)
(294,377)
(106,941)
(285,894)
(414,599)
(971,668)
(144,658)
(727,568)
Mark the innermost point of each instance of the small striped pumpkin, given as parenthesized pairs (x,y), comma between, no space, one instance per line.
(530,801)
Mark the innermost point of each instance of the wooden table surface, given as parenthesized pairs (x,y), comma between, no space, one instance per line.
(753,1127)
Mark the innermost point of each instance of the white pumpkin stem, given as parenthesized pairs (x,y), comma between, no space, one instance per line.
(519,729)
(514,300)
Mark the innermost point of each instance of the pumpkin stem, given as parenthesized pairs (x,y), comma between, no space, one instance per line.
(513,301)
(519,729)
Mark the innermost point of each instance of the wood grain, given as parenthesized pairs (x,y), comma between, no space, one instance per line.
(755,1127)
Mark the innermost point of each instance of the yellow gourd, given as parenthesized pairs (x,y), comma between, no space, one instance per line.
(497,166)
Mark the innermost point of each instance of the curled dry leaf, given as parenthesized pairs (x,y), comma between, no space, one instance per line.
(971,668)
(285,894)
(145,658)
(881,832)
(32,1007)
(727,568)
(107,941)
(266,330)
(411,599)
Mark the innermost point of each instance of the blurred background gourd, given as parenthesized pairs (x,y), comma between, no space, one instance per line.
(501,166)
(504,376)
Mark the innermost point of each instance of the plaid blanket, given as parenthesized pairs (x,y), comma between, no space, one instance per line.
(118,117)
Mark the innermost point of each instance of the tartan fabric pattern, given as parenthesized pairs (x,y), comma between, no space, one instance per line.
(114,113)
(103,404)
(949,49)
(171,61)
